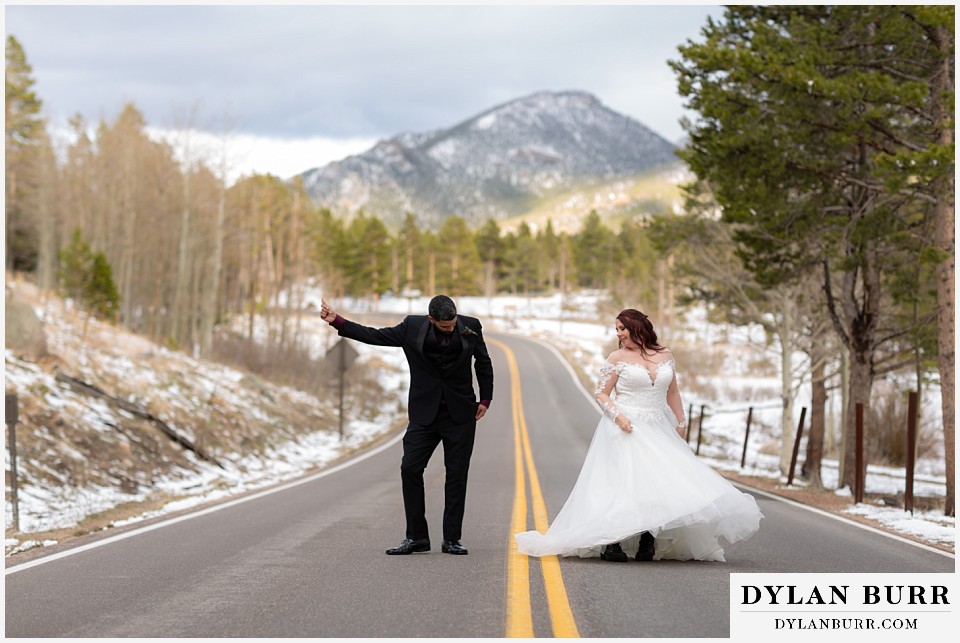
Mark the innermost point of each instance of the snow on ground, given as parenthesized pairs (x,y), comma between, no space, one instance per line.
(48,500)
(576,327)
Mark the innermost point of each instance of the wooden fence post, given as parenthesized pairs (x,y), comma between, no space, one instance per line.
(796,446)
(11,413)
(689,421)
(700,428)
(911,450)
(746,438)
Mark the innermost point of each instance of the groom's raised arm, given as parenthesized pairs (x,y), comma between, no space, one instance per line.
(392,336)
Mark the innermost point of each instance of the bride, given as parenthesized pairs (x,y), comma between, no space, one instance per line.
(641,490)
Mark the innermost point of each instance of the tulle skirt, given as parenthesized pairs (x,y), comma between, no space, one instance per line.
(646,480)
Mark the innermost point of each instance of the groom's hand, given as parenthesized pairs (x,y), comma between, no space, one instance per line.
(327,313)
(481,411)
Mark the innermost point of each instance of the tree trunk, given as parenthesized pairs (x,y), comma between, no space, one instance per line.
(127,264)
(844,407)
(861,314)
(48,214)
(670,312)
(945,343)
(409,285)
(210,301)
(785,331)
(786,395)
(564,254)
(861,383)
(818,402)
(944,238)
(180,294)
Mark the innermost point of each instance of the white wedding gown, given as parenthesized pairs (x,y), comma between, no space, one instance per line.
(646,480)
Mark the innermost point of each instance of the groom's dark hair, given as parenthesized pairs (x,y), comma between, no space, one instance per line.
(442,308)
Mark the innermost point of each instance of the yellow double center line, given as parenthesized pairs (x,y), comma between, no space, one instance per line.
(519,613)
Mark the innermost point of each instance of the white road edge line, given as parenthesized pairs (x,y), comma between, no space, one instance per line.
(848,521)
(166,523)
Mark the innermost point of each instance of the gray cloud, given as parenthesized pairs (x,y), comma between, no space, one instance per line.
(338,71)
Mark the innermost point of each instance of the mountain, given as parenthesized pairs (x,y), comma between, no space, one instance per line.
(498,164)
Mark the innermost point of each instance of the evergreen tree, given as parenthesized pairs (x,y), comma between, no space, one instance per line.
(634,280)
(23,133)
(87,278)
(592,249)
(548,244)
(458,269)
(490,251)
(369,263)
(805,113)
(75,260)
(525,260)
(100,292)
(408,242)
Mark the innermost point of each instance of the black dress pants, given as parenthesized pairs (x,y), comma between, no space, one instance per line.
(419,443)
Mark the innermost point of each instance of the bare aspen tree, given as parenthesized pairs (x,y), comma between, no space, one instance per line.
(181,304)
(48,214)
(212,301)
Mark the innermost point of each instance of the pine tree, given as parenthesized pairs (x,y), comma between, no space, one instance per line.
(490,250)
(23,131)
(592,252)
(100,292)
(75,260)
(458,271)
(408,241)
(804,115)
(87,278)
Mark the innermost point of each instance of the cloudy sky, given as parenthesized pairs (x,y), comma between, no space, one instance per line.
(304,85)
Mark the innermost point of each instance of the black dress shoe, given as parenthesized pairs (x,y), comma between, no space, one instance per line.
(453,547)
(409,546)
(613,553)
(646,550)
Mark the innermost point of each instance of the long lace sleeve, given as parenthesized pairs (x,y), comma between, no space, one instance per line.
(609,374)
(674,401)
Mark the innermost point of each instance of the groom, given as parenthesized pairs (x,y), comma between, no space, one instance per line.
(441,407)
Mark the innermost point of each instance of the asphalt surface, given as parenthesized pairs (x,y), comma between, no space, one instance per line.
(309,560)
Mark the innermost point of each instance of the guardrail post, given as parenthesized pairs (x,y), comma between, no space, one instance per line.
(689,421)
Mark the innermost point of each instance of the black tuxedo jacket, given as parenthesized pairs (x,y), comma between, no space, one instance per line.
(427,384)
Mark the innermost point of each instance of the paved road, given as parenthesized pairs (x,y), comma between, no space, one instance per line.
(308,560)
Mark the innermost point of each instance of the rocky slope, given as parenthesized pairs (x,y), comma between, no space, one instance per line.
(108,419)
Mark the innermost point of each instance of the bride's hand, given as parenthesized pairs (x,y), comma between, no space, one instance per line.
(624,424)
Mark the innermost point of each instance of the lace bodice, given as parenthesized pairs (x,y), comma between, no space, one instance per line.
(636,386)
